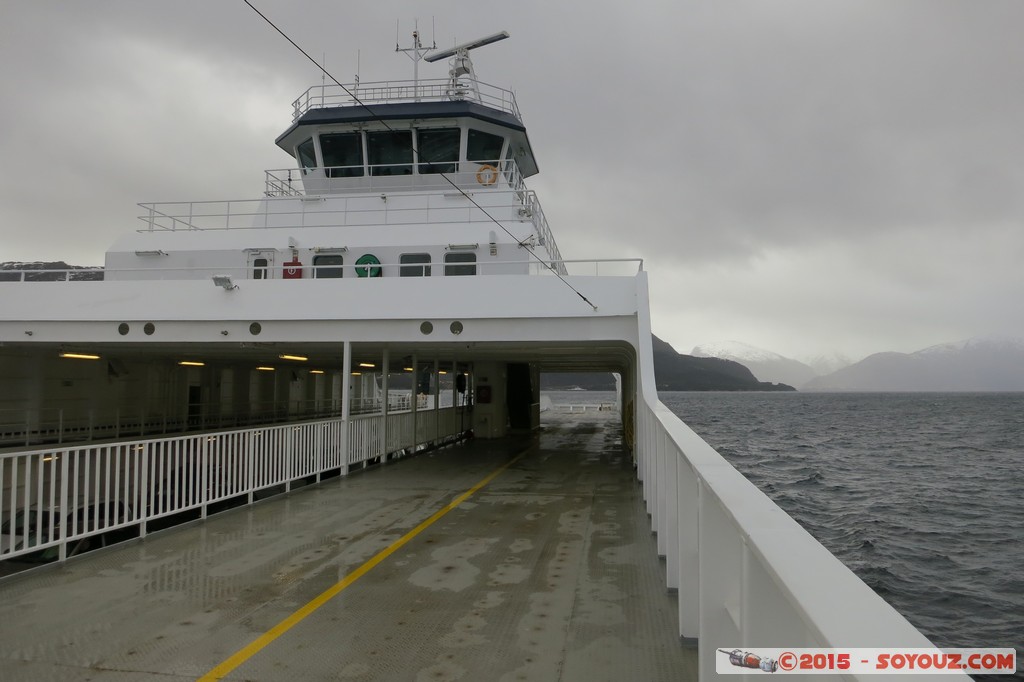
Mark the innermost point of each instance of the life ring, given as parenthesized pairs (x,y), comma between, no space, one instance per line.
(487,174)
(368,265)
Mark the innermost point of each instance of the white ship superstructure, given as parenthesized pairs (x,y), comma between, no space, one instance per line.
(396,289)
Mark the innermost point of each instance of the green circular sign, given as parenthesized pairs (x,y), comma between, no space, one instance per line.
(368,265)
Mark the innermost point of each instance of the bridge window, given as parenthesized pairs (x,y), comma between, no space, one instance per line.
(322,266)
(483,146)
(390,152)
(413,265)
(306,154)
(343,154)
(438,149)
(460,264)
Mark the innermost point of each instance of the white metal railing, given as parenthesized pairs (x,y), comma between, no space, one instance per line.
(748,575)
(51,499)
(395,92)
(24,427)
(605,267)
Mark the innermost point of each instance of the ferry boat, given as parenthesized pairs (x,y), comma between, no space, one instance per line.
(397,288)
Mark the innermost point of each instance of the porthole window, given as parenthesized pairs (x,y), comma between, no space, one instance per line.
(459,264)
(255,328)
(149,328)
(456,327)
(123,329)
(414,265)
(322,269)
(426,328)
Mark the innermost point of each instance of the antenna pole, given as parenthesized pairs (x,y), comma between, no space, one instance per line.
(416,53)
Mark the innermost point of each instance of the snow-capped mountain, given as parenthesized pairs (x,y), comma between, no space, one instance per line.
(764,364)
(987,363)
(826,364)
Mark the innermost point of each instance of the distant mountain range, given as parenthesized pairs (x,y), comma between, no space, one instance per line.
(979,364)
(674,372)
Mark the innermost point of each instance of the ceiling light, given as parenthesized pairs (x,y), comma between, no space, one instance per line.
(367,364)
(80,356)
(192,363)
(265,369)
(300,358)
(316,371)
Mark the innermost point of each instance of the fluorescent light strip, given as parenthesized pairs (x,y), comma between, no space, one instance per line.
(300,358)
(80,356)
(265,369)
(192,363)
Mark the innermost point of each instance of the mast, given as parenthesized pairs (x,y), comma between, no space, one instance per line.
(415,53)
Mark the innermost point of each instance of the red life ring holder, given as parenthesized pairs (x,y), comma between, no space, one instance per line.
(487,174)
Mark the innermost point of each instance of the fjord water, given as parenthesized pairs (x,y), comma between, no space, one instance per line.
(921,495)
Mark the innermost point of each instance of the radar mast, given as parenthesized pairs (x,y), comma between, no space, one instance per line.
(461,65)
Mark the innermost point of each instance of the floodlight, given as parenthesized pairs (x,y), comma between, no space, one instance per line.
(224,281)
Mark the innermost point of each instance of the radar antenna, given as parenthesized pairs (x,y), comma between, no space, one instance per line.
(415,53)
(461,65)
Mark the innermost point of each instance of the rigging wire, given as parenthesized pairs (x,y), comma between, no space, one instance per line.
(380,120)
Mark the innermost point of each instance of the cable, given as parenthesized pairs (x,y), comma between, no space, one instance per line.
(380,120)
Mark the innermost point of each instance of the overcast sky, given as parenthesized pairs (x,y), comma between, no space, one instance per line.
(806,176)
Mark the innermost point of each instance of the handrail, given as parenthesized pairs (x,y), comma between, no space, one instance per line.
(393,92)
(53,498)
(748,575)
(351,270)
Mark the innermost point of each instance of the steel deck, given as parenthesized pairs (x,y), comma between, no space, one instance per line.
(547,572)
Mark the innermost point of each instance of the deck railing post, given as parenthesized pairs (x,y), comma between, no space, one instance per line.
(346,377)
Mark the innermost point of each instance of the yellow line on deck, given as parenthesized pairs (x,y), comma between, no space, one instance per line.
(244,654)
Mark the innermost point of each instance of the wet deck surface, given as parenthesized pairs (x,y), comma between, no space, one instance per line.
(549,572)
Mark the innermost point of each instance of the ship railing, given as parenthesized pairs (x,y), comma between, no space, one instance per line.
(58,501)
(747,574)
(396,92)
(351,271)
(20,427)
(78,274)
(599,267)
(469,176)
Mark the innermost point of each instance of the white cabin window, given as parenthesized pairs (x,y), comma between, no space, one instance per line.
(343,154)
(482,146)
(306,154)
(390,152)
(459,264)
(259,268)
(328,266)
(438,150)
(414,265)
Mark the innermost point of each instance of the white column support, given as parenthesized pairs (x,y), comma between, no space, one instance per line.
(346,411)
(386,365)
(414,401)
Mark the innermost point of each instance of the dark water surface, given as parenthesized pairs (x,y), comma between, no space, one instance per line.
(921,495)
